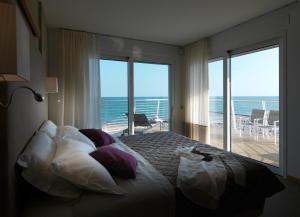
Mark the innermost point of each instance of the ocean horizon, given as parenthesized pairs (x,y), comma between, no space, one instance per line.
(114,109)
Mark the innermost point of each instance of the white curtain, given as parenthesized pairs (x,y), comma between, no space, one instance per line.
(80,80)
(196,109)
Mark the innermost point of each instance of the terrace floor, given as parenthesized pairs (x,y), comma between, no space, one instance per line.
(262,149)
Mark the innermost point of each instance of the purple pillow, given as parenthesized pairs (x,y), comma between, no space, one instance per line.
(117,162)
(99,137)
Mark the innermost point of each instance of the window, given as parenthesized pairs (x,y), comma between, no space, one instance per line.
(248,118)
(216,112)
(151,96)
(145,89)
(255,105)
(114,96)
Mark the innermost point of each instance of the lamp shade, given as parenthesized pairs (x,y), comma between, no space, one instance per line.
(51,85)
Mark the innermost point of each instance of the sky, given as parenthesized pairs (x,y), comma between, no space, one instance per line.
(149,79)
(254,74)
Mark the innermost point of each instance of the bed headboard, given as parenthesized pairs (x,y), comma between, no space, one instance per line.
(18,124)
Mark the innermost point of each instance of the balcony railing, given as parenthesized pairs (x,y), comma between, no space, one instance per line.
(114,111)
(239,108)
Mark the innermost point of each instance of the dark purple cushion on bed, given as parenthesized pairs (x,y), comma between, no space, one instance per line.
(99,137)
(117,162)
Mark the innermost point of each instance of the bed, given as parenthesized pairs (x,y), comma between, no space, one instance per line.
(159,148)
(149,194)
(155,190)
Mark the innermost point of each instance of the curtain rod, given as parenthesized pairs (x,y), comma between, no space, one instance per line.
(121,37)
(75,30)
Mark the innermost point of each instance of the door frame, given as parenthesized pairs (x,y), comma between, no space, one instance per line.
(170,88)
(130,86)
(279,42)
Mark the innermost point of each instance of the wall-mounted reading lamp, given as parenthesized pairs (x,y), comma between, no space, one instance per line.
(37,96)
(51,87)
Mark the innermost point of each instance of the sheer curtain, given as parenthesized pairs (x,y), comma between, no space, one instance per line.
(80,80)
(196,109)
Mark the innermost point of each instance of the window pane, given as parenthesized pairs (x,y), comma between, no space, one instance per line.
(215,70)
(114,96)
(151,97)
(255,105)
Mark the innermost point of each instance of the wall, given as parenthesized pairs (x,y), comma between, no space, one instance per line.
(283,22)
(19,123)
(135,49)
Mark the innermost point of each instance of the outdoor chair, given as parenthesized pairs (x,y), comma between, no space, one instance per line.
(256,119)
(272,124)
(141,120)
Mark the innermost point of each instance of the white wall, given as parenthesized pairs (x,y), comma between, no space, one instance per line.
(138,51)
(283,22)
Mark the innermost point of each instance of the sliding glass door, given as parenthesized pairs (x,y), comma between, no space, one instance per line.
(255,105)
(246,104)
(151,97)
(216,102)
(134,96)
(114,96)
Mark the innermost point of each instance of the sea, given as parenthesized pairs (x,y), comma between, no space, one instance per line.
(243,105)
(114,110)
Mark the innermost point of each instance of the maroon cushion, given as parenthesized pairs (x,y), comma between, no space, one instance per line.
(99,137)
(117,162)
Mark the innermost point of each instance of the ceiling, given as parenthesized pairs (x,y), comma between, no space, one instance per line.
(176,22)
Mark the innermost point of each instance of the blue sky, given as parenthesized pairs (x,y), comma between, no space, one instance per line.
(254,74)
(149,79)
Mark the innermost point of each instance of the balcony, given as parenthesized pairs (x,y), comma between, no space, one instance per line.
(259,144)
(115,109)
(261,147)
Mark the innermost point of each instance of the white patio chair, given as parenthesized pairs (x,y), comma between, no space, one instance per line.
(272,124)
(256,118)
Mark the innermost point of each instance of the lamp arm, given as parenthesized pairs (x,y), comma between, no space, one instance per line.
(12,95)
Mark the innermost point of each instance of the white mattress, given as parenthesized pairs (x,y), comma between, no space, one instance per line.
(150,194)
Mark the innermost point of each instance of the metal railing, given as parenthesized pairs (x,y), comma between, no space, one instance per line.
(239,108)
(114,110)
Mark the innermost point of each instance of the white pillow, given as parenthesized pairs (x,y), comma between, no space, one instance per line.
(74,164)
(67,146)
(36,159)
(47,181)
(69,132)
(41,148)
(49,127)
